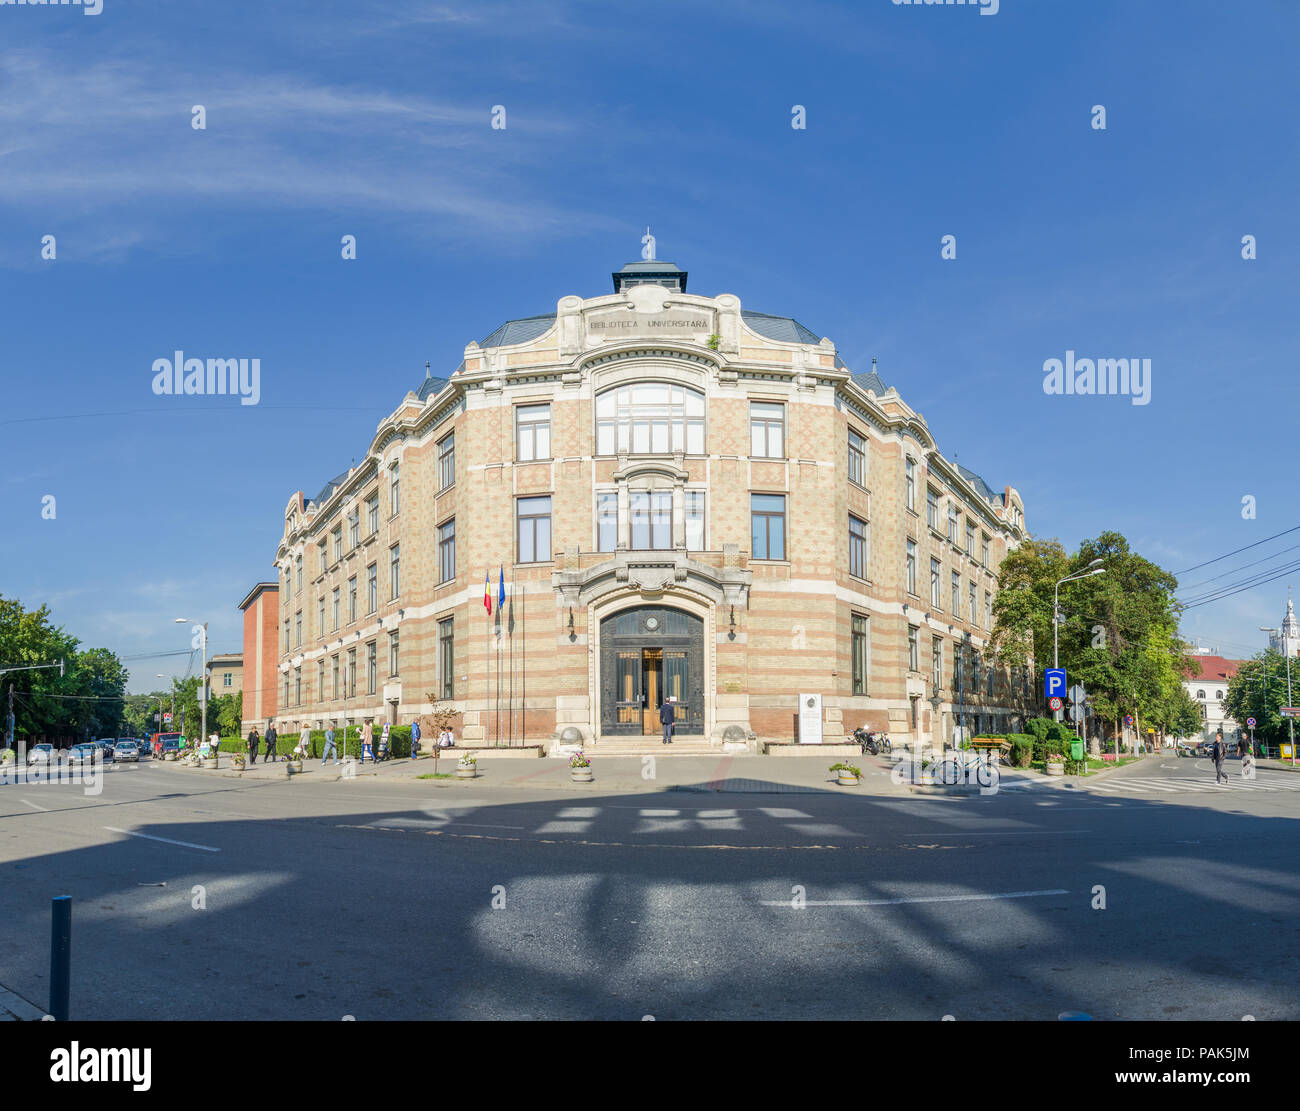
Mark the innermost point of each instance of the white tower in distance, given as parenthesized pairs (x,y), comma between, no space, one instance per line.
(1286,639)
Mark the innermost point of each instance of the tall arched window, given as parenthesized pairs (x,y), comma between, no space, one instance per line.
(646,418)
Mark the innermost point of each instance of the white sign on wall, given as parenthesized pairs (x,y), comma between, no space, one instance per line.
(810,719)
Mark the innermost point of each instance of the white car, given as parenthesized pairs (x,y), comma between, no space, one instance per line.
(126,750)
(40,754)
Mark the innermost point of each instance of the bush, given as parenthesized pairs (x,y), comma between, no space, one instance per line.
(399,742)
(1022,749)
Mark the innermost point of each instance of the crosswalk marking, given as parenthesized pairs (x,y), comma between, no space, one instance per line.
(1186,785)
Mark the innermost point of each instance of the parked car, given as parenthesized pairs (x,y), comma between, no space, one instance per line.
(126,749)
(165,743)
(142,747)
(107,746)
(79,754)
(40,754)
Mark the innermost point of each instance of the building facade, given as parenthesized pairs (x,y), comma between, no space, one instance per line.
(1209,690)
(226,673)
(678,498)
(261,608)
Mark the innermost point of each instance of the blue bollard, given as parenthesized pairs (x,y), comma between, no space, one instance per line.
(60,956)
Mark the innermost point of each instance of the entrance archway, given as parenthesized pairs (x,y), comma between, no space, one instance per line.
(647,655)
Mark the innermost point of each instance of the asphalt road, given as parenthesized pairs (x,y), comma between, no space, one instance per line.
(376,899)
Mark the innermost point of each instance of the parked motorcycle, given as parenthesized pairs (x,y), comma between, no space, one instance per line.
(867,740)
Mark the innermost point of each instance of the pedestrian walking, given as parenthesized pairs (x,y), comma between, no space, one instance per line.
(304,742)
(1241,748)
(271,737)
(368,741)
(383,741)
(666,718)
(1217,753)
(329,746)
(415,738)
(253,741)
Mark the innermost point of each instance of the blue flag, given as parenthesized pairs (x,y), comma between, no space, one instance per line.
(501,588)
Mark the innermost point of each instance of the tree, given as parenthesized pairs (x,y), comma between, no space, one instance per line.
(1250,695)
(1118,632)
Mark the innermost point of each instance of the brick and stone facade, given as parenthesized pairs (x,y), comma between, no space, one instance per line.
(686,497)
(261,608)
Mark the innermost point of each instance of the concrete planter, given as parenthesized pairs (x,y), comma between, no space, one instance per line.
(295,767)
(847,780)
(581,775)
(466,773)
(210,762)
(1054,769)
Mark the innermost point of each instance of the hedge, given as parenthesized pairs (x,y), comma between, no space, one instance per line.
(1022,749)
(399,742)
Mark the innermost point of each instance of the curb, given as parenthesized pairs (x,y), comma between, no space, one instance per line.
(14,1008)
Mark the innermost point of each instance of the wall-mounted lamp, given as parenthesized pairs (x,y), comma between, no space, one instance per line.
(732,635)
(572,635)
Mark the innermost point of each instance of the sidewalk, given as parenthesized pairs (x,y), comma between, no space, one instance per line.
(14,1008)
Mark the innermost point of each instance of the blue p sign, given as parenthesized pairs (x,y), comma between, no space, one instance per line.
(1054,682)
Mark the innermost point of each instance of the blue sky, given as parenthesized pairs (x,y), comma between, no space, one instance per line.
(326,119)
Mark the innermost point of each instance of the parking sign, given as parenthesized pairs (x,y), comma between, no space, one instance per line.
(1054,682)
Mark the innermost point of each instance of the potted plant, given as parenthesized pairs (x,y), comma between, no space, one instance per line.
(1055,764)
(210,760)
(580,768)
(846,774)
(237,760)
(467,766)
(295,763)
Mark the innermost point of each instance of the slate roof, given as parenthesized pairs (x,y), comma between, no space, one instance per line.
(430,387)
(980,485)
(330,486)
(519,331)
(783,329)
(868,380)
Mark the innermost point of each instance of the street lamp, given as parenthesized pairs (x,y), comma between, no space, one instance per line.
(1093,568)
(203,680)
(1290,721)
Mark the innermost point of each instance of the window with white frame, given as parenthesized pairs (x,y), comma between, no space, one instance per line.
(956,593)
(532,432)
(606,521)
(352,599)
(859,650)
(932,508)
(395,570)
(857,458)
(970,537)
(447,461)
(534,529)
(767,429)
(694,520)
(857,547)
(935,571)
(394,490)
(767,526)
(372,514)
(953,518)
(972,603)
(911,567)
(652,519)
(372,588)
(447,551)
(936,663)
(650,418)
(913,648)
(909,483)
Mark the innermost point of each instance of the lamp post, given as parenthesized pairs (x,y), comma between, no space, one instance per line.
(1290,721)
(1093,568)
(203,679)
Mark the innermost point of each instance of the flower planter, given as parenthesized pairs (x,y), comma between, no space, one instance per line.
(170,756)
(847,780)
(210,762)
(466,773)
(581,775)
(295,767)
(1055,769)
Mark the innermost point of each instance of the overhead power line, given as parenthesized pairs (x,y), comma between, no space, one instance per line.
(1225,555)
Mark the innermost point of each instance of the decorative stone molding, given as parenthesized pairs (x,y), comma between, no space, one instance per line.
(654,574)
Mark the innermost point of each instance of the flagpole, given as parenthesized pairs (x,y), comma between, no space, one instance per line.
(487,661)
(510,631)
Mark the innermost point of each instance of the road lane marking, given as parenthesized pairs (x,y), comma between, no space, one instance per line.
(912,899)
(44,809)
(165,840)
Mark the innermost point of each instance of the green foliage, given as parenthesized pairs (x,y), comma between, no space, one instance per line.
(399,742)
(1022,749)
(1258,690)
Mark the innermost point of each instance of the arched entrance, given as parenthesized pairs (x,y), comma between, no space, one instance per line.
(647,655)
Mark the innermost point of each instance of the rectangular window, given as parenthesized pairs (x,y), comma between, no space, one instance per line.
(859,635)
(857,547)
(297,686)
(909,483)
(286,635)
(372,667)
(992,672)
(975,666)
(936,663)
(446,461)
(447,551)
(767,429)
(297,629)
(953,517)
(935,571)
(970,537)
(956,594)
(910,578)
(606,522)
(913,648)
(446,656)
(958,657)
(297,566)
(932,508)
(533,529)
(650,417)
(351,678)
(337,537)
(695,520)
(372,514)
(334,606)
(320,616)
(354,528)
(320,549)
(767,525)
(972,603)
(392,652)
(652,519)
(372,587)
(395,570)
(394,491)
(532,432)
(857,458)
(984,550)
(334,677)
(320,681)
(352,599)
(988,610)
(227,680)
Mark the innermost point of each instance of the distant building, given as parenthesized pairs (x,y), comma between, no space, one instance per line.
(1209,690)
(226,673)
(261,618)
(1286,639)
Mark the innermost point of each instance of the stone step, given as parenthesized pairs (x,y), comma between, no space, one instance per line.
(648,746)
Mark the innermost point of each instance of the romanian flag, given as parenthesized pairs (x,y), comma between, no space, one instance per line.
(487,592)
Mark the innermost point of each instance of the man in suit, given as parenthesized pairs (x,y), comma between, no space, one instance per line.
(1217,753)
(666,717)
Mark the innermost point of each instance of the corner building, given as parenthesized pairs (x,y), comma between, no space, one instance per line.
(689,499)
